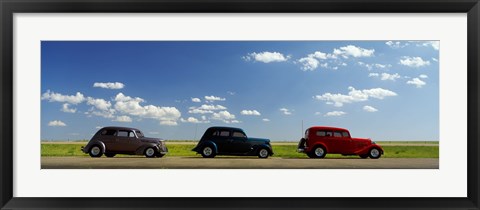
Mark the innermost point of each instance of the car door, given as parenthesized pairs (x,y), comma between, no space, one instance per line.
(223,140)
(330,141)
(126,141)
(346,144)
(240,143)
(107,136)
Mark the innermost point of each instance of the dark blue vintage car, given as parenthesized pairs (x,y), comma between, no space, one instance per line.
(231,141)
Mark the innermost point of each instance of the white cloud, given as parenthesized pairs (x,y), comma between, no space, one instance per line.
(318,113)
(423,76)
(65,108)
(194,120)
(205,108)
(396,45)
(393,77)
(371,66)
(417,82)
(100,107)
(123,118)
(285,111)
(199,111)
(353,51)
(354,96)
(369,109)
(214,98)
(196,100)
(266,120)
(57,97)
(231,93)
(99,103)
(309,63)
(102,113)
(434,59)
(330,61)
(312,61)
(169,122)
(224,116)
(122,97)
(335,113)
(56,123)
(414,61)
(250,112)
(266,57)
(131,106)
(109,85)
(153,132)
(319,55)
(433,44)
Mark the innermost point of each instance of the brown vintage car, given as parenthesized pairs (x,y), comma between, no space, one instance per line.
(122,140)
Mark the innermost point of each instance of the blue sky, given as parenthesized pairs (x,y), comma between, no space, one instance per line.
(384,90)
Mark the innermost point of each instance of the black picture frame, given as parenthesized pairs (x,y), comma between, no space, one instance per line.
(10,7)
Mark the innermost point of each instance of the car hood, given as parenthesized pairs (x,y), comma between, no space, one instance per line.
(151,140)
(362,140)
(259,140)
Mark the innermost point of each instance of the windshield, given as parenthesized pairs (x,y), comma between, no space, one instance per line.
(139,134)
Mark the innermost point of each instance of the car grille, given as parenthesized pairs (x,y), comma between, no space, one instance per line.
(163,146)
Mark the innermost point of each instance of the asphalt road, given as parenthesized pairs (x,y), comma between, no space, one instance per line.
(140,162)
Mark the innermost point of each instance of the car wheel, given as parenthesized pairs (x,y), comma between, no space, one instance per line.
(110,155)
(364,156)
(208,152)
(95,151)
(149,152)
(374,153)
(263,153)
(318,152)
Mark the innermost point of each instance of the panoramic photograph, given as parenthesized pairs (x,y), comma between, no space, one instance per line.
(240,104)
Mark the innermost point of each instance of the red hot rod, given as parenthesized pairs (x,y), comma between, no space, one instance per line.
(320,140)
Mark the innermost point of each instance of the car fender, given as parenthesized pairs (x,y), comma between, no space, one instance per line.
(263,146)
(142,148)
(316,145)
(365,150)
(210,143)
(99,143)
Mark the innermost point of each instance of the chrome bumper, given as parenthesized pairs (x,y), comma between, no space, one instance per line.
(301,150)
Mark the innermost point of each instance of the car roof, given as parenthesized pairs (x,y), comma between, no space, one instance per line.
(119,128)
(327,128)
(224,127)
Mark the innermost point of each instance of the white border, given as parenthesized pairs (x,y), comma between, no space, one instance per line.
(450,29)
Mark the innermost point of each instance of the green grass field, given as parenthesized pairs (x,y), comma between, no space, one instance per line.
(280,150)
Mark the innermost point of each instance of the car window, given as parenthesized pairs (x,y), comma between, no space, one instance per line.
(337,134)
(345,134)
(329,133)
(131,134)
(123,133)
(139,134)
(239,134)
(321,133)
(109,132)
(224,133)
